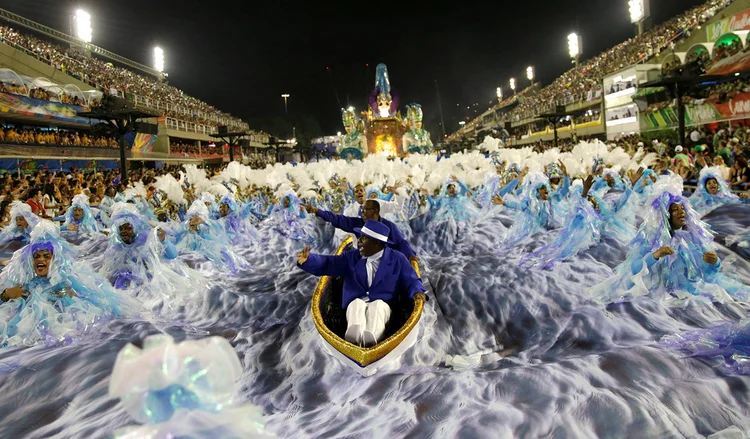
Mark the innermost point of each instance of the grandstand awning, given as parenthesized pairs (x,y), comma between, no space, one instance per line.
(648,91)
(685,82)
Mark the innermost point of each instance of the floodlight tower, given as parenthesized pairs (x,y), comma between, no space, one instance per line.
(640,11)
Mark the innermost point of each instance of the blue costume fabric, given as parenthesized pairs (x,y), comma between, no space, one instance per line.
(704,202)
(86,225)
(679,276)
(11,232)
(60,304)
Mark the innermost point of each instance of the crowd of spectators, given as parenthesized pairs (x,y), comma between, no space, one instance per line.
(576,84)
(107,77)
(28,136)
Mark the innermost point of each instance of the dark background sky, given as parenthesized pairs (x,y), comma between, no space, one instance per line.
(241,56)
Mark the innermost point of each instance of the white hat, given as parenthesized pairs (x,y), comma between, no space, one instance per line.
(678,148)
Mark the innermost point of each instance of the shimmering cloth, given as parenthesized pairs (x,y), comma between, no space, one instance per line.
(727,341)
(183,390)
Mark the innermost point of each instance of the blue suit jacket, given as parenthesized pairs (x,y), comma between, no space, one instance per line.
(348,223)
(395,278)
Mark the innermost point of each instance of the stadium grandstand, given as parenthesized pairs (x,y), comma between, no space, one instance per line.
(609,96)
(48,78)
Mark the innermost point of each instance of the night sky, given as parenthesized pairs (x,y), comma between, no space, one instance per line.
(241,56)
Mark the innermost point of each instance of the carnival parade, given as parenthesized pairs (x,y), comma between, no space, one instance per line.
(544,270)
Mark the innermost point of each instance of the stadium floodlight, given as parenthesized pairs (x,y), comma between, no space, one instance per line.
(574,45)
(530,73)
(513,84)
(83,25)
(499,94)
(636,10)
(158,59)
(339,134)
(639,10)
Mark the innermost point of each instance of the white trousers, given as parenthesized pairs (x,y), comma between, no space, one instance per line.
(366,322)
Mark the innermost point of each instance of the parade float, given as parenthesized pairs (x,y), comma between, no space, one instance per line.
(382,129)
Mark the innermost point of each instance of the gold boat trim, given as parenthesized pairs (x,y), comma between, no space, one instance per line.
(362,356)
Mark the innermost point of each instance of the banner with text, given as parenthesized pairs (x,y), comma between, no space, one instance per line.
(699,113)
(739,21)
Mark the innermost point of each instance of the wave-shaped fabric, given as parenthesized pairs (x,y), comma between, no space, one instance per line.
(729,341)
(185,389)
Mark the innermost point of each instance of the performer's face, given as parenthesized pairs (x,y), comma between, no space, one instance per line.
(195,221)
(160,233)
(42,260)
(162,217)
(368,246)
(359,193)
(287,202)
(223,209)
(452,190)
(610,180)
(677,216)
(712,186)
(77,213)
(543,193)
(349,129)
(126,233)
(21,222)
(370,212)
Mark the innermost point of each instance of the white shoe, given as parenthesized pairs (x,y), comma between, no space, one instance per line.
(354,334)
(369,339)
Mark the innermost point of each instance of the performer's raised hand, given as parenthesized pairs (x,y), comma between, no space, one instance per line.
(664,251)
(710,258)
(309,208)
(587,185)
(303,255)
(636,176)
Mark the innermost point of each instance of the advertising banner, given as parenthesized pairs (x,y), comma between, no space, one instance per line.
(739,21)
(15,104)
(700,113)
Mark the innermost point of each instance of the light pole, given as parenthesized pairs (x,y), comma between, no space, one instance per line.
(499,94)
(513,85)
(639,10)
(530,74)
(574,47)
(286,109)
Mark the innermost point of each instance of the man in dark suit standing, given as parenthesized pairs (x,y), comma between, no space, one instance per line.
(370,212)
(373,275)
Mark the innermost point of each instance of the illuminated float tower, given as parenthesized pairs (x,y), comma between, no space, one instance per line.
(385,128)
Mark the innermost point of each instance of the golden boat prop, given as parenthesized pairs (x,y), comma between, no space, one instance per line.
(330,320)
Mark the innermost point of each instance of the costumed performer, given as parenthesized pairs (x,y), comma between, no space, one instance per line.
(373,276)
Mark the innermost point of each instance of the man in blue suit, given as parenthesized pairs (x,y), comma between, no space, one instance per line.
(373,275)
(370,212)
